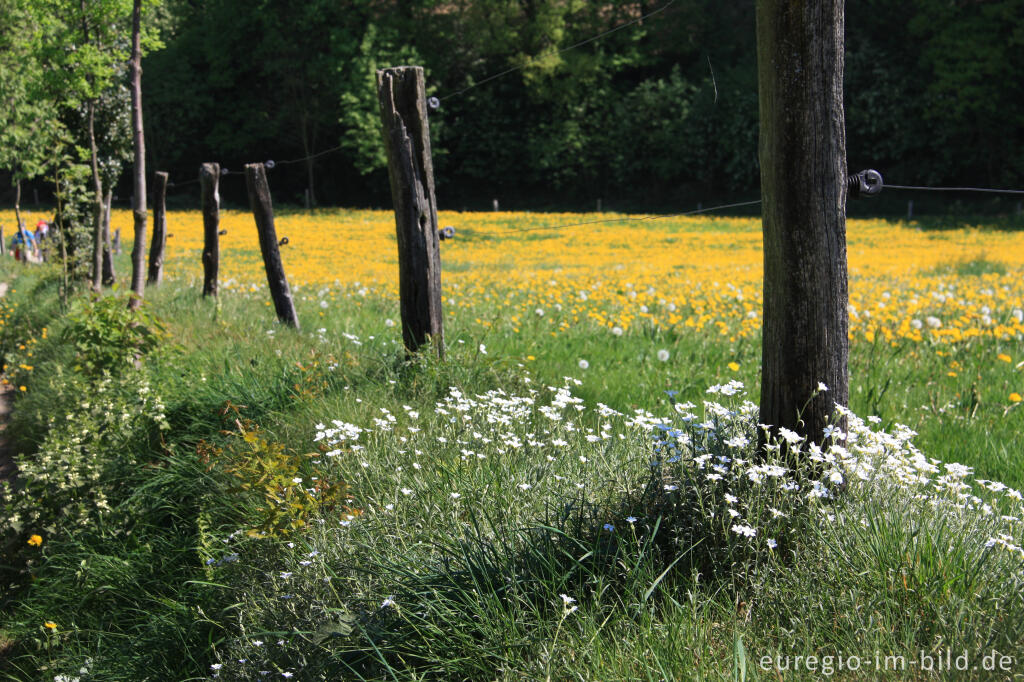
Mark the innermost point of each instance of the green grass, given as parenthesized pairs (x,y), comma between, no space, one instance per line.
(426,585)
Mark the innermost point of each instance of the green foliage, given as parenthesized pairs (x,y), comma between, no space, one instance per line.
(29,127)
(290,493)
(107,337)
(74,480)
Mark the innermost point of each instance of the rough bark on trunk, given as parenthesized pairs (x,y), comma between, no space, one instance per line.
(139,169)
(802,154)
(159,242)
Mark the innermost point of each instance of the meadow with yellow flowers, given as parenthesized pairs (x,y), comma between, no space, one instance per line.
(936,316)
(571,494)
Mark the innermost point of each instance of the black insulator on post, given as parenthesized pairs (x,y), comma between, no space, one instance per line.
(867,183)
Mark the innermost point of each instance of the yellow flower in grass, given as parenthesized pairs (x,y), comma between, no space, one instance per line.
(35,540)
(734,366)
(1004,357)
(1015,397)
(22,388)
(50,625)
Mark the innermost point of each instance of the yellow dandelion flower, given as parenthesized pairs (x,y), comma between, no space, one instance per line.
(35,540)
(22,388)
(1004,357)
(50,624)
(734,366)
(1015,397)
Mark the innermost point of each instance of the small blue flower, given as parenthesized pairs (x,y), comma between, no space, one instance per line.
(609,527)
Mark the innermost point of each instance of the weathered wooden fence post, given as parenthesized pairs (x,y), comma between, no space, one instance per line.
(209,181)
(3,242)
(403,111)
(159,241)
(802,151)
(263,212)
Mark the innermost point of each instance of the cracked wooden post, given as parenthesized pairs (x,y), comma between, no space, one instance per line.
(159,241)
(263,212)
(803,192)
(403,110)
(209,181)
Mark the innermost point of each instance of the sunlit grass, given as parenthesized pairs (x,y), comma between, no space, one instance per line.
(463,531)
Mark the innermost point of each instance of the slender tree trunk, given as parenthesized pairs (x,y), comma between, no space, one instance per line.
(63,241)
(803,190)
(17,217)
(304,123)
(109,276)
(139,171)
(97,188)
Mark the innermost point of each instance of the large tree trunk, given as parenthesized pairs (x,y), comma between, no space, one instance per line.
(139,170)
(803,189)
(97,188)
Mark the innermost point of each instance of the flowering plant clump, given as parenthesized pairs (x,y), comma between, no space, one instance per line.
(735,506)
(71,480)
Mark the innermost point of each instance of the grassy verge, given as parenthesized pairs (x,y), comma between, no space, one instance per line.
(238,500)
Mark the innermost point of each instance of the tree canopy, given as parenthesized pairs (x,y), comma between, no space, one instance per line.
(658,114)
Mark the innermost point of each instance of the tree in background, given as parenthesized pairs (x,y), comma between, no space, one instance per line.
(660,114)
(83,58)
(30,130)
(139,169)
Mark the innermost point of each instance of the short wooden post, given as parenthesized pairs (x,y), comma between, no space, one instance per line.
(403,111)
(494,204)
(209,181)
(306,198)
(159,241)
(3,242)
(263,212)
